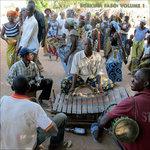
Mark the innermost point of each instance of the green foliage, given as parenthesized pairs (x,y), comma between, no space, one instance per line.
(41,4)
(62,4)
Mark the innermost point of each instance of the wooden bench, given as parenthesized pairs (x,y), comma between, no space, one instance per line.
(83,110)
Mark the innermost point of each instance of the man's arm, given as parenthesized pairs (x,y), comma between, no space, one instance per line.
(124,108)
(74,70)
(52,129)
(43,121)
(104,120)
(37,78)
(74,79)
(2,34)
(12,73)
(99,68)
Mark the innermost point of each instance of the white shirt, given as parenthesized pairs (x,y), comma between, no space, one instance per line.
(61,30)
(29,36)
(86,67)
(19,120)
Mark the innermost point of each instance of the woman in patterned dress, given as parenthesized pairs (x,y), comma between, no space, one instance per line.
(52,35)
(116,54)
(10,33)
(73,45)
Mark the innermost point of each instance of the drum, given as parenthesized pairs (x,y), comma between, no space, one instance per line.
(125,129)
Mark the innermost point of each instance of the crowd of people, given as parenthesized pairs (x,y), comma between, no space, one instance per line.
(79,41)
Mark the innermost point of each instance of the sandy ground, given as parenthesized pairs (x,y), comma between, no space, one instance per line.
(54,70)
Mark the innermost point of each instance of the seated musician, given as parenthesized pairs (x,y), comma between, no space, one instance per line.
(140,107)
(28,68)
(86,67)
(24,124)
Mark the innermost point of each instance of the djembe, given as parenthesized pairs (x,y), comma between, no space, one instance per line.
(125,129)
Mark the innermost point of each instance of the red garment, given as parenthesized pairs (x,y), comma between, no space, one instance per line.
(18,96)
(126,108)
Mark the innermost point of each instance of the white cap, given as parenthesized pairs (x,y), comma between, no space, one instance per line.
(143,21)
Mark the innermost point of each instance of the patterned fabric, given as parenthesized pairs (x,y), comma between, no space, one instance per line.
(67,83)
(93,42)
(52,41)
(31,72)
(114,66)
(53,30)
(12,35)
(106,83)
(81,33)
(107,43)
(11,54)
(137,50)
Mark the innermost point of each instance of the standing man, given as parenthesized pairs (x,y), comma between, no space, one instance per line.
(39,16)
(30,31)
(24,124)
(138,44)
(28,68)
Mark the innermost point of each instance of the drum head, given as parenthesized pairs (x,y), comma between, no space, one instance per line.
(126,129)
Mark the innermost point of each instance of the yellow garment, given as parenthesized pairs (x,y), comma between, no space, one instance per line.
(11,51)
(137,50)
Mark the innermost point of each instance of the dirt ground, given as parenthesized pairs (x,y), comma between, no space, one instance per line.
(54,70)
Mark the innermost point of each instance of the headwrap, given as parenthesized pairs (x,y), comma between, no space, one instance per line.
(70,22)
(143,21)
(12,13)
(115,25)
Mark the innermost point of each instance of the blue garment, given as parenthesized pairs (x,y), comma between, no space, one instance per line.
(114,67)
(53,30)
(140,34)
(124,38)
